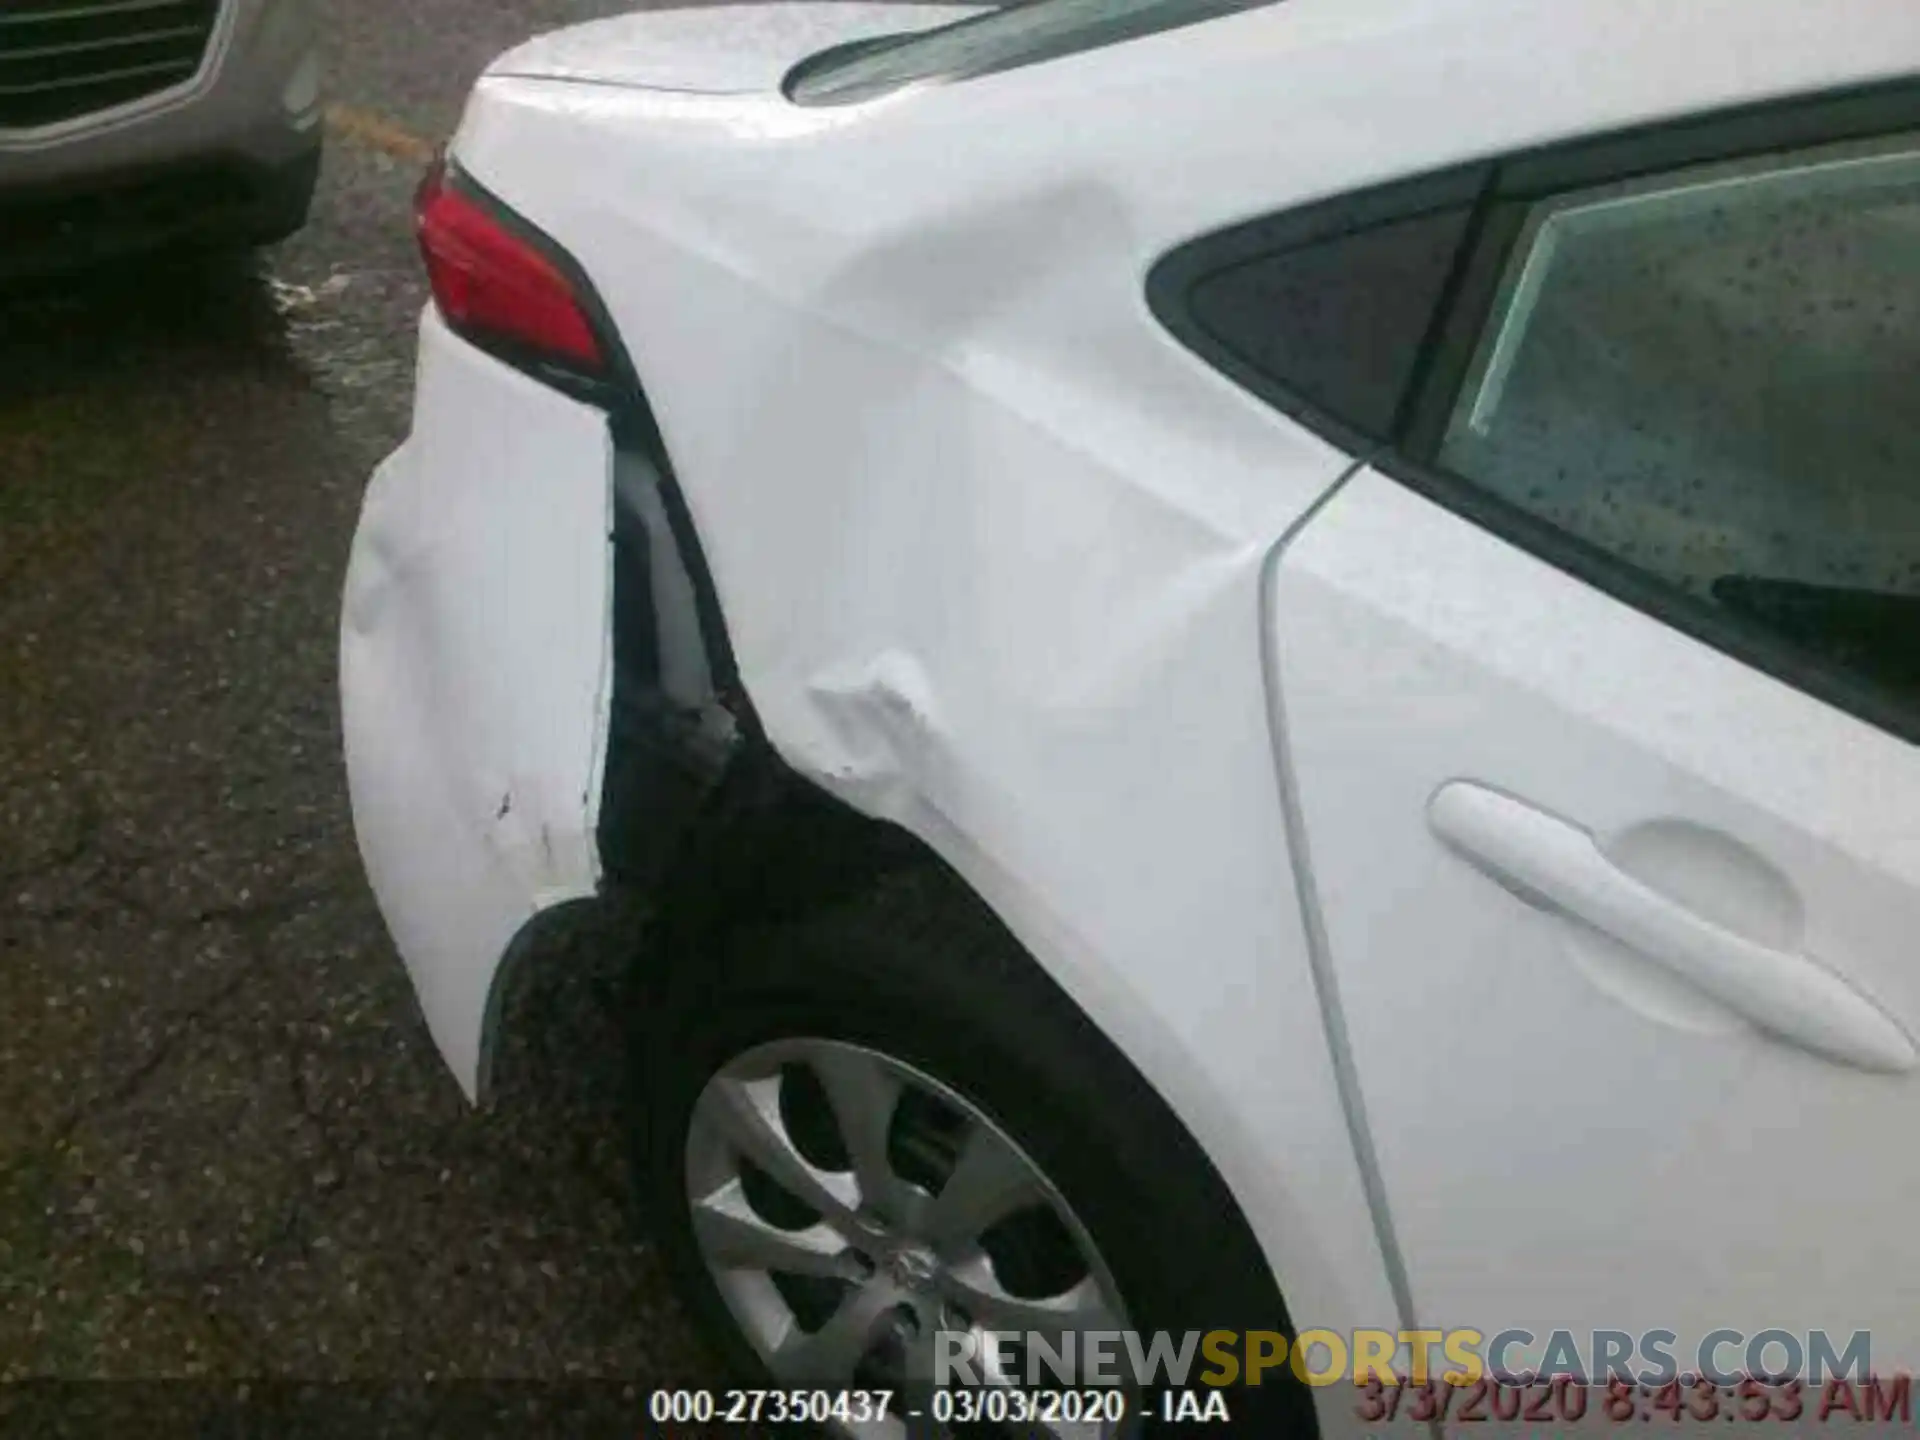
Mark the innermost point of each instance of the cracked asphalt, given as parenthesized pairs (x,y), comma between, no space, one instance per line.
(228,1149)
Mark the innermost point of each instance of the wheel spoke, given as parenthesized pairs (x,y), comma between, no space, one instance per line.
(919,1368)
(989,1182)
(863,1094)
(747,1113)
(974,1288)
(830,1353)
(918,1357)
(733,1237)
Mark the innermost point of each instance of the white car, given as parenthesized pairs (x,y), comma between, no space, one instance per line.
(1250,651)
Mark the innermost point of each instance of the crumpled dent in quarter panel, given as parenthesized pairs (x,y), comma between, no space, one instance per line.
(988,543)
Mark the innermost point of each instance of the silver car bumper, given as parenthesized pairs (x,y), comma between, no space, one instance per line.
(250,117)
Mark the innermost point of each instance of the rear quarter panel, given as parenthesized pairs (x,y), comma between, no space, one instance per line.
(988,545)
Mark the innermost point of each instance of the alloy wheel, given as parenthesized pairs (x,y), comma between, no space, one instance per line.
(848,1207)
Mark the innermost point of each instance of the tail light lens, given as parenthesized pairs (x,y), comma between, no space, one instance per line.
(498,284)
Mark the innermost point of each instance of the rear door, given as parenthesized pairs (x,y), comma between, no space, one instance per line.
(1597,694)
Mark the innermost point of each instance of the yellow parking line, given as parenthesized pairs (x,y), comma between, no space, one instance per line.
(376,132)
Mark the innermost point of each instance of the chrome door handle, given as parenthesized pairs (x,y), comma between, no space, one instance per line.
(1556,866)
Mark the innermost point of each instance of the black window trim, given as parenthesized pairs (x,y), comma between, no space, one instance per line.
(1508,190)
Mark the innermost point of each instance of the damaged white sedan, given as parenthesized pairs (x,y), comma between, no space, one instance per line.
(1247,650)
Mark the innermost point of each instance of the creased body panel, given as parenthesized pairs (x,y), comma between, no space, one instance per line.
(474,664)
(989,548)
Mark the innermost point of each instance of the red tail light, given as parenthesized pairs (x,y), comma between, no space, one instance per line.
(497,286)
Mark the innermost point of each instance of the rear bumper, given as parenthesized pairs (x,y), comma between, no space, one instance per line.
(475,672)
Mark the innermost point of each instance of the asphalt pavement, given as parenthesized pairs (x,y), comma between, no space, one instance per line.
(227,1147)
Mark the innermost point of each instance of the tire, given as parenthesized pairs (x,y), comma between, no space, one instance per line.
(922,974)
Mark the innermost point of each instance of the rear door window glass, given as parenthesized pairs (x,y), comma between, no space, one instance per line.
(1712,377)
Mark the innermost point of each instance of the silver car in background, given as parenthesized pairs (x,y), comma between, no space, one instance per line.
(130,125)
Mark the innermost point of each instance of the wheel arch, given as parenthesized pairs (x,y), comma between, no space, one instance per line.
(774,847)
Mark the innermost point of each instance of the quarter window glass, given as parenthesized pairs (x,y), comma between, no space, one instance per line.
(1716,378)
(1337,322)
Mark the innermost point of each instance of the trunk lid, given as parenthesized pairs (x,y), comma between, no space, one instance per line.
(713,49)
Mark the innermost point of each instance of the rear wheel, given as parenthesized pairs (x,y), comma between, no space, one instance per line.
(878,1131)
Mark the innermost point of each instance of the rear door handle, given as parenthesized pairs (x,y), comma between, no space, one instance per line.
(1556,866)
